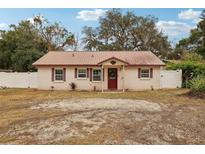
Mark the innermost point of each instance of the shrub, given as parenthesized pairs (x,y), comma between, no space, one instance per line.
(190,70)
(72,85)
(197,85)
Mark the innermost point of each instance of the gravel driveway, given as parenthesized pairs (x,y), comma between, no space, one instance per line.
(111,121)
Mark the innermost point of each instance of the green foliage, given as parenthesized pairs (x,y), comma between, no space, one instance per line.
(191,56)
(17,44)
(192,65)
(197,84)
(119,31)
(190,68)
(22,60)
(25,42)
(201,51)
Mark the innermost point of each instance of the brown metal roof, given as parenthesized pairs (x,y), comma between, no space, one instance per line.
(95,58)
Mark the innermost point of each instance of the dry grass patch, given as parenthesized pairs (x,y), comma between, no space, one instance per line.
(30,116)
(26,95)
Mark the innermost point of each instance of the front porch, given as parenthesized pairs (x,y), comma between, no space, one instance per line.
(113,75)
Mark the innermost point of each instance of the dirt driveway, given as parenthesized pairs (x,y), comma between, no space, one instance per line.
(108,121)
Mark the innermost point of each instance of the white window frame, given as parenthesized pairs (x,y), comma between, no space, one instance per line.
(81,73)
(100,75)
(62,75)
(141,73)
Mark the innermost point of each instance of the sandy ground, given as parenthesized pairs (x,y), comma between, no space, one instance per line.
(111,121)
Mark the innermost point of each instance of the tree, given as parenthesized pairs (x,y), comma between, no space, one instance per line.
(192,57)
(22,59)
(55,36)
(27,41)
(91,38)
(118,31)
(76,45)
(20,38)
(196,41)
(201,27)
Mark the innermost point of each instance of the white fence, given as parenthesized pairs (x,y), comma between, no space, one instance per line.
(171,78)
(18,80)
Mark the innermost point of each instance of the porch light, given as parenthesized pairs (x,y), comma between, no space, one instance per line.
(121,67)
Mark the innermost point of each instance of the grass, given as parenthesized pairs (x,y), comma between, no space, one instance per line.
(14,104)
(162,96)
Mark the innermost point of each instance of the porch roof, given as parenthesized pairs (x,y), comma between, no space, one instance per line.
(113,58)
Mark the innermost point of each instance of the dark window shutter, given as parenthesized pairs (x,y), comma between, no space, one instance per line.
(139,72)
(75,72)
(151,72)
(52,74)
(103,73)
(87,72)
(64,73)
(91,74)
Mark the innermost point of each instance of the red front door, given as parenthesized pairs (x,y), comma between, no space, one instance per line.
(112,78)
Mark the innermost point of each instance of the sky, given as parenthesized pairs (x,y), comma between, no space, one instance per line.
(175,23)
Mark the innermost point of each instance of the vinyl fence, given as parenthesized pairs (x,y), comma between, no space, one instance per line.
(18,80)
(171,79)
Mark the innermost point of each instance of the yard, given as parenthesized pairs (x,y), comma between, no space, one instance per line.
(30,116)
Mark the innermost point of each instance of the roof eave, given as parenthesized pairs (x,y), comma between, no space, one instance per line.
(36,65)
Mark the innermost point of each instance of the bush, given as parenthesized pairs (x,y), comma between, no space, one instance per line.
(190,70)
(197,85)
(72,85)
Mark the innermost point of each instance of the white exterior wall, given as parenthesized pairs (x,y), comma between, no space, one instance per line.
(45,80)
(131,80)
(18,80)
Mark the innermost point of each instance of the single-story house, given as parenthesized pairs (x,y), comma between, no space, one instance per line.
(102,70)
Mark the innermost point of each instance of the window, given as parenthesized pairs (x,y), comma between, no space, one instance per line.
(82,73)
(59,74)
(145,73)
(96,75)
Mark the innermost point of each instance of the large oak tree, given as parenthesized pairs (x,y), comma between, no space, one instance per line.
(118,31)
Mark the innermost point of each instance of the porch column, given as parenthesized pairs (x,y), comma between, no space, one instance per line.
(102,75)
(123,78)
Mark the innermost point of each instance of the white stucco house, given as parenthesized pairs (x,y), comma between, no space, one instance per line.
(102,70)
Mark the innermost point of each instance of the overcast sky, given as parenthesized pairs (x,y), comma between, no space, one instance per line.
(175,23)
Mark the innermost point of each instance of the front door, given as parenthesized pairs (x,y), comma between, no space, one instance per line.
(112,78)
